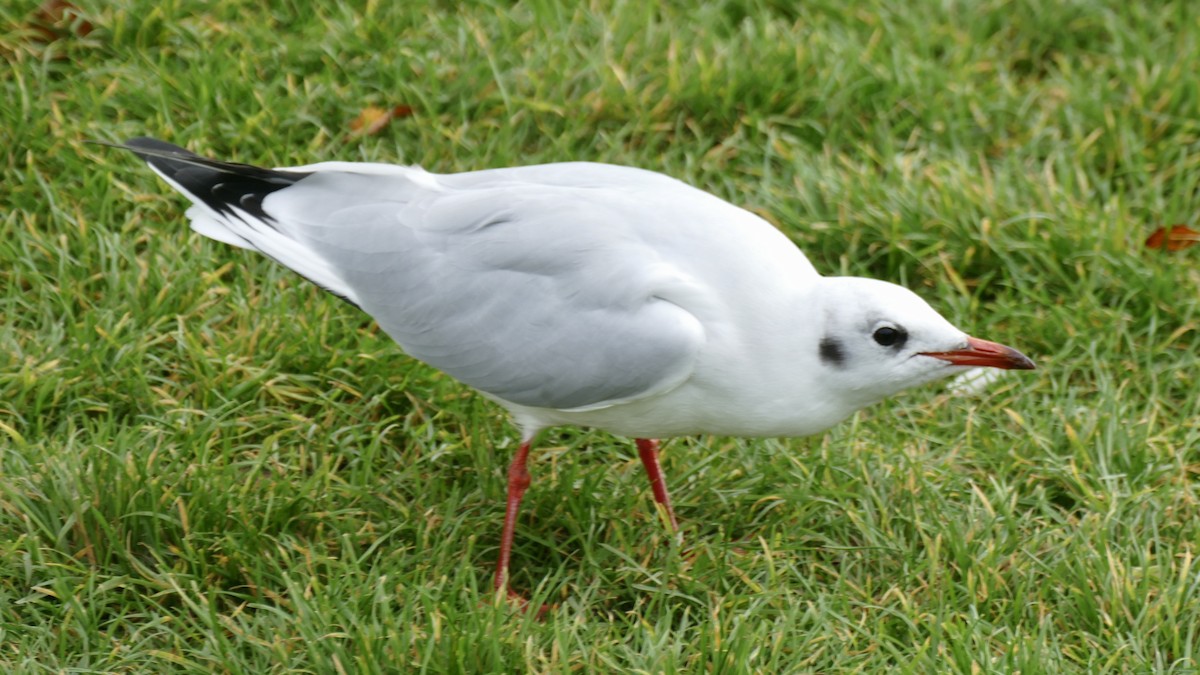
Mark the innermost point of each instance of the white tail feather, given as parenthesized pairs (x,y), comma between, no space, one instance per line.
(244,230)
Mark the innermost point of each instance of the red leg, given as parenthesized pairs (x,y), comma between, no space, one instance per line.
(648,451)
(518,481)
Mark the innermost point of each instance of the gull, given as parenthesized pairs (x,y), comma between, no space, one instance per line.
(586,294)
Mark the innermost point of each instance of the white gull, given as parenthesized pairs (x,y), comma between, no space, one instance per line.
(586,294)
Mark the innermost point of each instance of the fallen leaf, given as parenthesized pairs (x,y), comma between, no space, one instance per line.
(373,119)
(55,20)
(1174,238)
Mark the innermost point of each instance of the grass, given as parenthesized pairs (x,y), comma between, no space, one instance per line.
(207,465)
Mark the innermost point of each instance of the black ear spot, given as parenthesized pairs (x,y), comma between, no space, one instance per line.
(831,352)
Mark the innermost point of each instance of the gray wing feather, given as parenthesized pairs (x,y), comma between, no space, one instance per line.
(541,295)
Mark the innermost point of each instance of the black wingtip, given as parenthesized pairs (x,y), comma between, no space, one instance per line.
(162,154)
(226,188)
(218,184)
(146,147)
(148,143)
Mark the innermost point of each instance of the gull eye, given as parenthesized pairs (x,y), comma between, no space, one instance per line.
(888,336)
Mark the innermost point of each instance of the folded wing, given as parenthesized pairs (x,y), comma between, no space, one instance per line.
(539,292)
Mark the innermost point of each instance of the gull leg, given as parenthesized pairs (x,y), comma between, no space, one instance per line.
(518,482)
(648,451)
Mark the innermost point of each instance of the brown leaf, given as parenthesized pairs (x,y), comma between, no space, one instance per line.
(373,119)
(55,20)
(1174,238)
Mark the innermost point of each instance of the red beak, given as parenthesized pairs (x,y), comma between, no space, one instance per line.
(987,354)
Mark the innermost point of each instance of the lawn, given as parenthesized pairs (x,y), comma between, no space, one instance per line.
(208,465)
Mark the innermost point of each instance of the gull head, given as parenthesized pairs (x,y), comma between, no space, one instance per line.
(877,339)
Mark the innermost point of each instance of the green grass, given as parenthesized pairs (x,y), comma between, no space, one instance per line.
(207,465)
